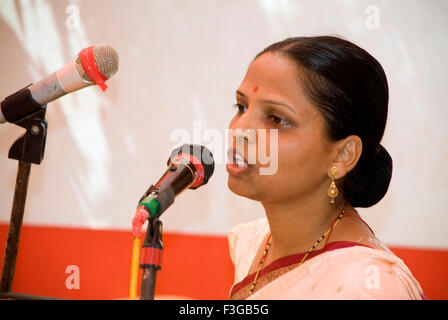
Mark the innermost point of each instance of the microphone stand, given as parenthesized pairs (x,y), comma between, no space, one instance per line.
(27,149)
(151,261)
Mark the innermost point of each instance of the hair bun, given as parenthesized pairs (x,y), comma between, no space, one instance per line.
(367,183)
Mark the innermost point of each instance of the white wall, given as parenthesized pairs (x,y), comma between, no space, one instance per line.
(180,62)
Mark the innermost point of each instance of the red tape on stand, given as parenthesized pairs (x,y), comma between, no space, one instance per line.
(151,256)
(141,215)
(91,69)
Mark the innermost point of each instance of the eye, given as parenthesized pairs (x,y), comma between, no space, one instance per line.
(279,121)
(240,108)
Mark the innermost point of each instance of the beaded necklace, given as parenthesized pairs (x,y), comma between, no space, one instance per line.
(268,244)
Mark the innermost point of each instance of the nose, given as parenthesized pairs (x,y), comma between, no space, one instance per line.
(241,137)
(249,135)
(244,130)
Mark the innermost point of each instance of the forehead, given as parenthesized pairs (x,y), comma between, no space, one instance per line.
(276,77)
(273,70)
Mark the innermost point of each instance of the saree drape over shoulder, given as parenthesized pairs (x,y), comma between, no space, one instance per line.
(341,270)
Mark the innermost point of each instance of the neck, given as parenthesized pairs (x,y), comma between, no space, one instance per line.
(297,224)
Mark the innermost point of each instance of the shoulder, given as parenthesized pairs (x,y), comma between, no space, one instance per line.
(248,234)
(369,273)
(352,273)
(353,228)
(254,227)
(244,240)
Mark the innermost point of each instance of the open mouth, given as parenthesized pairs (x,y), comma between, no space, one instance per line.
(236,158)
(236,165)
(239,161)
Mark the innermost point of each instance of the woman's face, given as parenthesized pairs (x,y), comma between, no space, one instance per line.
(270,97)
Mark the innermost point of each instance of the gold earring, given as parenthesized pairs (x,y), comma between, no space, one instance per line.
(333,190)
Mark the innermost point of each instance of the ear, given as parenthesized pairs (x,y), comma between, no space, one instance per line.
(348,152)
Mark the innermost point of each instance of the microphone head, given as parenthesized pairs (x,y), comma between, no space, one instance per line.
(198,158)
(106,59)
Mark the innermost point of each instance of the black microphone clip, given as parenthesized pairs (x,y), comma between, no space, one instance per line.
(164,197)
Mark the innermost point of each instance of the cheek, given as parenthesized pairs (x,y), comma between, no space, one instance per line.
(303,159)
(297,153)
(292,158)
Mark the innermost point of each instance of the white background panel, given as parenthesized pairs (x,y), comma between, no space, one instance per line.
(180,62)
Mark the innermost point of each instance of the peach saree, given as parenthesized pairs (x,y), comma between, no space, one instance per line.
(341,270)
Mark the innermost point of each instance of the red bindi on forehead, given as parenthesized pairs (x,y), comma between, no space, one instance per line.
(255,89)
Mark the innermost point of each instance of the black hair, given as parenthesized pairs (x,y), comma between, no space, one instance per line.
(349,88)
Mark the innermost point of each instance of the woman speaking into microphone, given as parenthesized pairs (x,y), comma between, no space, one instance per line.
(326,100)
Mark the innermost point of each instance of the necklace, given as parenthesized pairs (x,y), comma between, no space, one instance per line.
(268,244)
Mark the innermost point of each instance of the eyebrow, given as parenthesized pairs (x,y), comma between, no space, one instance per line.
(269,102)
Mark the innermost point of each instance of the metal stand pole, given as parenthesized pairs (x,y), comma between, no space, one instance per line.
(27,149)
(15,226)
(151,261)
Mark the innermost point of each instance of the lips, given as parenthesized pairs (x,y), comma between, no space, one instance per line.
(237,164)
(236,158)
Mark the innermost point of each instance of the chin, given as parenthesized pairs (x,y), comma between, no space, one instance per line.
(242,188)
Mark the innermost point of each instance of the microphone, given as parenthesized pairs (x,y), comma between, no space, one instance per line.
(189,166)
(92,65)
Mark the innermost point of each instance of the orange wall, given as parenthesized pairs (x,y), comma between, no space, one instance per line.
(193,266)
